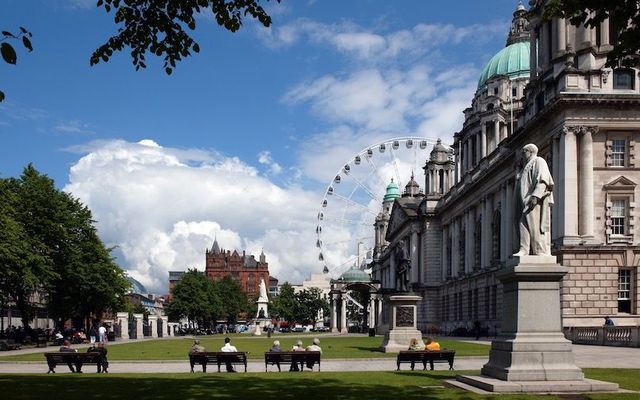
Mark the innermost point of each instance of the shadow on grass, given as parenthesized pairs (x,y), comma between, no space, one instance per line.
(223,386)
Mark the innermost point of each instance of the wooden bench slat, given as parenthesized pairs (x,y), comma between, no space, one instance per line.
(218,357)
(425,356)
(291,357)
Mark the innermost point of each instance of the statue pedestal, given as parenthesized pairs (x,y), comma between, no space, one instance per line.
(531,354)
(260,323)
(402,319)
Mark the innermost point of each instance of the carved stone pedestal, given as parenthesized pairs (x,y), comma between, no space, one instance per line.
(402,319)
(532,354)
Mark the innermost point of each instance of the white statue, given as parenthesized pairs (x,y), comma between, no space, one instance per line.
(263,301)
(533,199)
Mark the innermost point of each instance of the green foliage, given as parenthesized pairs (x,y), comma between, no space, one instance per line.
(160,27)
(196,298)
(50,245)
(283,305)
(622,14)
(309,302)
(235,300)
(7,50)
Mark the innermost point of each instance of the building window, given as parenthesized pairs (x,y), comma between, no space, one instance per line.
(620,210)
(470,304)
(618,152)
(460,306)
(514,92)
(624,78)
(624,291)
(618,217)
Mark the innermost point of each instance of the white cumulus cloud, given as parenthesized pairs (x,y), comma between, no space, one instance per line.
(162,207)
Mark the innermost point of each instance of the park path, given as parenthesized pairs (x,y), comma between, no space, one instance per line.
(585,356)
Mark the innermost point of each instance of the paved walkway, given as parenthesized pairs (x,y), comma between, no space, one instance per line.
(585,356)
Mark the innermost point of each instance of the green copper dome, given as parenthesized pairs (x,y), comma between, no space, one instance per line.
(355,275)
(393,192)
(512,61)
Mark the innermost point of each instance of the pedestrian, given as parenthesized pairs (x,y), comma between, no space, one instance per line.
(102,333)
(93,333)
(608,321)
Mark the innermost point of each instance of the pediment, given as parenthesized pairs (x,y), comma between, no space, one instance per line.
(620,183)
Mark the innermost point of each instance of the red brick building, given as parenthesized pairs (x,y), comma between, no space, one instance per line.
(244,269)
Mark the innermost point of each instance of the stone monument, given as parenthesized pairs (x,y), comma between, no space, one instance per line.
(532,354)
(262,319)
(401,308)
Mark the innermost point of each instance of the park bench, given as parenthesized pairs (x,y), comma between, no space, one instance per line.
(425,356)
(291,357)
(219,357)
(9,344)
(75,359)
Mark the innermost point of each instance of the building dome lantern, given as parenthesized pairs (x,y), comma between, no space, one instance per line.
(393,192)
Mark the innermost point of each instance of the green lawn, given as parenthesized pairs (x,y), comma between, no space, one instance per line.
(332,347)
(272,386)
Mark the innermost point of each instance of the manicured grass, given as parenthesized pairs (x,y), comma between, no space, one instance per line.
(332,347)
(269,386)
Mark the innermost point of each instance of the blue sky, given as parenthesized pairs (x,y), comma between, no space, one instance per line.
(241,140)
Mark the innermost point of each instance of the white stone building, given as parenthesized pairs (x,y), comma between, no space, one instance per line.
(548,86)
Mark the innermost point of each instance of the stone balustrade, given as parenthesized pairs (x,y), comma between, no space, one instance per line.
(624,336)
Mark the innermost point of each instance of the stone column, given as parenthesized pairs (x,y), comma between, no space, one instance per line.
(343,314)
(555,167)
(379,311)
(483,141)
(445,253)
(153,323)
(561,36)
(487,237)
(467,155)
(604,32)
(415,264)
(334,313)
(509,222)
(165,325)
(138,318)
(533,56)
(586,184)
(122,319)
(496,137)
(568,185)
(469,241)
(504,223)
(458,161)
(496,132)
(455,249)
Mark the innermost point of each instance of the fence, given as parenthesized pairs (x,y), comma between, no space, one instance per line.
(623,336)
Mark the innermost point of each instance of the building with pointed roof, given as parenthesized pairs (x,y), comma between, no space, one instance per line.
(244,269)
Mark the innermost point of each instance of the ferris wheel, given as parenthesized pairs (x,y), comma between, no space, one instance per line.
(353,199)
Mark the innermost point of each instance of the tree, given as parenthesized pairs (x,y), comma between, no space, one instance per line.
(159,27)
(23,266)
(8,52)
(309,302)
(283,305)
(235,300)
(50,247)
(196,298)
(623,17)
